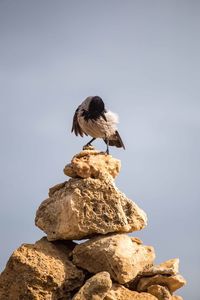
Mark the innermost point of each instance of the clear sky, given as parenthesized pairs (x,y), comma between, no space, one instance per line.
(142,58)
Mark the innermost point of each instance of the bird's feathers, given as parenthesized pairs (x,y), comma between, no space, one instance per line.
(75,124)
(112,118)
(115,140)
(91,118)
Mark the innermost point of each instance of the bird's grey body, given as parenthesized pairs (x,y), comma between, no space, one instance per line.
(102,128)
(91,118)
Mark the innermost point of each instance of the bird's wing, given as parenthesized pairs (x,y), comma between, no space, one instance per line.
(75,125)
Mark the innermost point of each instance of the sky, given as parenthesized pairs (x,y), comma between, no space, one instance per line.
(142,58)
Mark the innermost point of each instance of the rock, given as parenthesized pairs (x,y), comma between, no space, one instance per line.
(40,271)
(117,254)
(160,292)
(81,208)
(95,288)
(119,292)
(92,163)
(173,282)
(89,206)
(169,267)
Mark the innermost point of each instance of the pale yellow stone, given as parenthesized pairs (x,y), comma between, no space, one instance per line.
(160,292)
(176,298)
(172,282)
(164,272)
(41,271)
(117,254)
(95,288)
(119,292)
(81,208)
(169,267)
(92,163)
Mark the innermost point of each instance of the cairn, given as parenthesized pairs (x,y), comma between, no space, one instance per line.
(106,263)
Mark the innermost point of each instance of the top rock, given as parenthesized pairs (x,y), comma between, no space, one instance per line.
(89,203)
(92,163)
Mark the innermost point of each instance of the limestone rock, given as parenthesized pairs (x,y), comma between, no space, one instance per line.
(92,163)
(40,271)
(173,282)
(176,298)
(169,267)
(95,288)
(81,208)
(117,254)
(160,292)
(119,292)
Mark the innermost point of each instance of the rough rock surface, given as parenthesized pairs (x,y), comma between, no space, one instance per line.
(173,282)
(117,254)
(92,163)
(157,275)
(119,292)
(95,288)
(89,206)
(160,292)
(81,208)
(40,271)
(169,267)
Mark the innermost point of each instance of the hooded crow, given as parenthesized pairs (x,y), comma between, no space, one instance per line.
(91,118)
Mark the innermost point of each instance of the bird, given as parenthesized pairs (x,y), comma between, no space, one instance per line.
(93,119)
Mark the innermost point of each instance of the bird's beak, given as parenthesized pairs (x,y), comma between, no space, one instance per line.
(103,116)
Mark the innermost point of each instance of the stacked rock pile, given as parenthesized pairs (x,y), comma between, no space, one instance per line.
(110,264)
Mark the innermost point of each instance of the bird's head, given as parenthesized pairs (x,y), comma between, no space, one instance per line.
(96,105)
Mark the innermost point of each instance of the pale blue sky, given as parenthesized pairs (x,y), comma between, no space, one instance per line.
(142,58)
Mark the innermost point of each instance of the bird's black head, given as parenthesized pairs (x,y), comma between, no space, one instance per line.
(96,105)
(96,109)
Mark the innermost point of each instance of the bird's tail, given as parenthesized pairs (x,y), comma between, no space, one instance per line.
(115,140)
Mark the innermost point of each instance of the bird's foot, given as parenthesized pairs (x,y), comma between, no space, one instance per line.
(88,147)
(107,152)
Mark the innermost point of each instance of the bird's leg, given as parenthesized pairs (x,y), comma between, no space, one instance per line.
(89,143)
(107,143)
